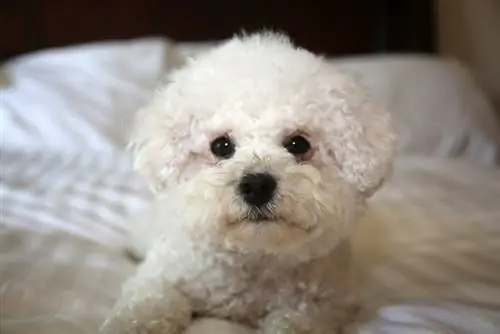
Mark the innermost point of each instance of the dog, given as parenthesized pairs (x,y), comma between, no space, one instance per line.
(262,156)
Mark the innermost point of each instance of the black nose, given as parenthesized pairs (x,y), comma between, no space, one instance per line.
(257,189)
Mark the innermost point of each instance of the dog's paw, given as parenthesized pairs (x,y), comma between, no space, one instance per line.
(280,324)
(350,329)
(299,323)
(217,326)
(299,330)
(123,325)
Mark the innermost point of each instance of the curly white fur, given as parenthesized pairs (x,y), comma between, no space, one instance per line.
(202,253)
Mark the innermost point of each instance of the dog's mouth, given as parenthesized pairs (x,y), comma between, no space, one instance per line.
(258,215)
(267,216)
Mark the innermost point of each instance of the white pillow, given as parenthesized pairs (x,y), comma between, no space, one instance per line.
(81,97)
(437,106)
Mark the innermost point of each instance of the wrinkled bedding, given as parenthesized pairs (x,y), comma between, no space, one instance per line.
(428,252)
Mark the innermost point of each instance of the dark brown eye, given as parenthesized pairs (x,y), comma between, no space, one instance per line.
(222,147)
(297,145)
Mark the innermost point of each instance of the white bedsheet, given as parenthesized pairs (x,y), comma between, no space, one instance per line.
(430,246)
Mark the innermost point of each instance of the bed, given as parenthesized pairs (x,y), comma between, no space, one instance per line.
(428,251)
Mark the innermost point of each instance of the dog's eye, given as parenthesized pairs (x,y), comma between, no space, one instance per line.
(222,147)
(297,145)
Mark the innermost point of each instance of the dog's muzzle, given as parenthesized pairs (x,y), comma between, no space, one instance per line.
(257,189)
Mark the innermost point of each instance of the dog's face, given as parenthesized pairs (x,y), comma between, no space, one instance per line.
(266,147)
(266,185)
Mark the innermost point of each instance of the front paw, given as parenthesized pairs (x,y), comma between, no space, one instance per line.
(282,324)
(136,327)
(293,329)
(298,323)
(285,328)
(136,323)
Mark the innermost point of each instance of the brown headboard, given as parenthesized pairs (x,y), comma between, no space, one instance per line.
(335,27)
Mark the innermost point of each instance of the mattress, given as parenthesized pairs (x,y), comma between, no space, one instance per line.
(427,252)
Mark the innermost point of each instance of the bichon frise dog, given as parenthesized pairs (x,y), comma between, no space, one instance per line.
(262,156)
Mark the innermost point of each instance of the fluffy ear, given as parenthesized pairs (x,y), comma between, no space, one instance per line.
(360,135)
(160,141)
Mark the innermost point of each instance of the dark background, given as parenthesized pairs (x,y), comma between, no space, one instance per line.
(331,27)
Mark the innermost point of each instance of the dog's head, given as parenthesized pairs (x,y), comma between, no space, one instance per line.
(265,144)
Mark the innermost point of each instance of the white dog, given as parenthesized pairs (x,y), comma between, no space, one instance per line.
(262,156)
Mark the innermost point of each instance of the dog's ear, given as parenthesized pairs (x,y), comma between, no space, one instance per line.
(160,140)
(359,133)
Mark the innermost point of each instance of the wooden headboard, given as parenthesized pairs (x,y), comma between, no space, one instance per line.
(334,27)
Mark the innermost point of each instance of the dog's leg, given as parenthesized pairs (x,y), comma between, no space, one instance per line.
(148,305)
(312,319)
(217,326)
